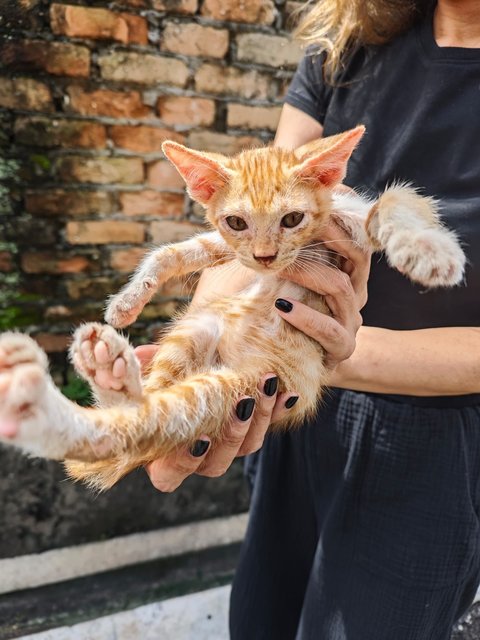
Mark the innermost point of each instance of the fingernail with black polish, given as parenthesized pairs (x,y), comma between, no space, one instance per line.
(270,386)
(199,448)
(283,305)
(291,402)
(245,409)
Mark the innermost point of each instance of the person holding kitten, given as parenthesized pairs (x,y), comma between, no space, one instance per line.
(365,524)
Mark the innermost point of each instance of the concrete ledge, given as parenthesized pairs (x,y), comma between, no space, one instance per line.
(59,565)
(203,616)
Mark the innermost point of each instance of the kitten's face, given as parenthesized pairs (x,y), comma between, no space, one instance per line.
(265,213)
(267,203)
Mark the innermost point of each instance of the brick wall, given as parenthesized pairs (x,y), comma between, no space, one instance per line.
(87,95)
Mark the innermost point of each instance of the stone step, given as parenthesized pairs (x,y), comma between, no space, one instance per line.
(200,616)
(95,596)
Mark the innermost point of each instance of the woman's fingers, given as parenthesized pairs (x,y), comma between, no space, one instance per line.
(168,473)
(337,239)
(337,288)
(145,353)
(244,434)
(262,416)
(226,450)
(285,401)
(338,342)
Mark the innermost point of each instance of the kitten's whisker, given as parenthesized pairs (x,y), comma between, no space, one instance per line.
(316,259)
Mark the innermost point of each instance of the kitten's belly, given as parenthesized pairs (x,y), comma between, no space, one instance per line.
(254,336)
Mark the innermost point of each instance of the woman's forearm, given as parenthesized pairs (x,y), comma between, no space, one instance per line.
(426,362)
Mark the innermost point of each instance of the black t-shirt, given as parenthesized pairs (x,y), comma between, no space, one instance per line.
(421,106)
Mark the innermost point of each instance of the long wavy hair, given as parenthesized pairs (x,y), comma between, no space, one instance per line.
(338,26)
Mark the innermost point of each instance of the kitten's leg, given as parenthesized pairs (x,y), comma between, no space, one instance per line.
(107,361)
(190,347)
(34,415)
(177,417)
(158,267)
(407,227)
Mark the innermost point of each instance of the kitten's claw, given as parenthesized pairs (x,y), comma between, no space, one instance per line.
(106,360)
(23,374)
(432,257)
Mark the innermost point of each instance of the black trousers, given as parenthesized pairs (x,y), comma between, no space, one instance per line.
(364,524)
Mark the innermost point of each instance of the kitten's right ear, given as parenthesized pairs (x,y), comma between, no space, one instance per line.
(324,161)
(203,174)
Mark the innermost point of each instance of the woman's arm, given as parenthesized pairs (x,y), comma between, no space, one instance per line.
(296,128)
(425,362)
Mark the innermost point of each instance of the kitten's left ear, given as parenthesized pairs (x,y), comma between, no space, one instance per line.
(325,161)
(203,173)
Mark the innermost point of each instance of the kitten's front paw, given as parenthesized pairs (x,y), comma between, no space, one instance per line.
(124,308)
(432,257)
(106,359)
(23,374)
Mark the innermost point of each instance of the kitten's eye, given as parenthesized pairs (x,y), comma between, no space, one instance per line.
(292,219)
(236,223)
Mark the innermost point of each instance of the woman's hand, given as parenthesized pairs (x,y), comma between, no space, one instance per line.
(345,291)
(243,434)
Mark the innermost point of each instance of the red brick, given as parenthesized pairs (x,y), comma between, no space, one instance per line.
(221,143)
(132,3)
(142,139)
(171,231)
(25,93)
(35,262)
(105,232)
(100,170)
(274,51)
(176,6)
(255,11)
(219,80)
(6,261)
(69,203)
(99,24)
(75,313)
(58,312)
(57,58)
(163,174)
(186,111)
(125,260)
(154,203)
(53,342)
(121,66)
(116,104)
(246,117)
(93,288)
(195,40)
(45,132)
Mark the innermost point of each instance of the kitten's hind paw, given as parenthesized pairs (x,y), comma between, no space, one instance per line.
(107,361)
(432,257)
(23,374)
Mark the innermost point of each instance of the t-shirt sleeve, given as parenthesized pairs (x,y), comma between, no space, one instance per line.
(307,90)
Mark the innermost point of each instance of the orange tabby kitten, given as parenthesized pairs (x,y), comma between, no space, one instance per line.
(268,207)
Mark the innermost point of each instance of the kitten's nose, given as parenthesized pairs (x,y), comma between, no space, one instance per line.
(265,260)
